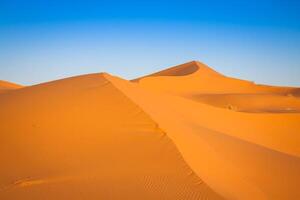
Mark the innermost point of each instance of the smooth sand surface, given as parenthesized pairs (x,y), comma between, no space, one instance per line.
(186,132)
(259,103)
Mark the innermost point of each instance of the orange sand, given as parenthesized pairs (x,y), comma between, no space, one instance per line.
(186,133)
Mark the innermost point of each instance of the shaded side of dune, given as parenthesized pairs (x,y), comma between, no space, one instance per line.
(239,155)
(180,70)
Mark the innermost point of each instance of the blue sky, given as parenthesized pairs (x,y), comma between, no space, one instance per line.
(46,40)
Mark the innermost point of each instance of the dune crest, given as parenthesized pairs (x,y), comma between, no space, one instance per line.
(180,70)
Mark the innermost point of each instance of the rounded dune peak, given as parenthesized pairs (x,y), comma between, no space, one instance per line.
(179,70)
(185,69)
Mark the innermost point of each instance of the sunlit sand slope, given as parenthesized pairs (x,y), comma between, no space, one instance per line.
(82,138)
(6,86)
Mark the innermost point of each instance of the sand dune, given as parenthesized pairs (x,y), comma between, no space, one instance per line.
(203,79)
(198,82)
(187,132)
(6,86)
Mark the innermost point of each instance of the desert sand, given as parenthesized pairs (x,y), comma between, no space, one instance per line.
(187,132)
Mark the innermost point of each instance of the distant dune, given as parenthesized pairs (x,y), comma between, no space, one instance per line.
(6,86)
(185,133)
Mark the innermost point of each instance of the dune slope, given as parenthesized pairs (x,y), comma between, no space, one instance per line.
(81,138)
(247,155)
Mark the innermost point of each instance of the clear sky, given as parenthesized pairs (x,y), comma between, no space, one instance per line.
(45,40)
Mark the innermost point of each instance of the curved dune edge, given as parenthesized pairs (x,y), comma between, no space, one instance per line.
(85,129)
(230,167)
(7,86)
(180,70)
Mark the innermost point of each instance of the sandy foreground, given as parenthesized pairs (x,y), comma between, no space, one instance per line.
(184,133)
